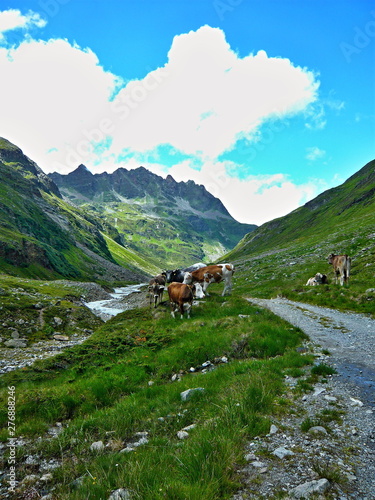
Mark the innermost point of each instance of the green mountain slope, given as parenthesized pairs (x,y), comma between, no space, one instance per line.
(279,257)
(171,223)
(43,236)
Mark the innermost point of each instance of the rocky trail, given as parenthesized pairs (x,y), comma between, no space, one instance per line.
(335,458)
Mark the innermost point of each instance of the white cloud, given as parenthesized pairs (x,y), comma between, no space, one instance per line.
(59,105)
(315,153)
(51,95)
(208,97)
(12,19)
(55,95)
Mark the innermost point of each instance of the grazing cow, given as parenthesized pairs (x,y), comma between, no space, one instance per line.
(213,274)
(178,275)
(341,267)
(318,279)
(156,288)
(181,298)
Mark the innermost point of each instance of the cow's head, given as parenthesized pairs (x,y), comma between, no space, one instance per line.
(330,258)
(188,278)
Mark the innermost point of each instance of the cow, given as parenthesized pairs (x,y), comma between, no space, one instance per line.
(156,288)
(178,275)
(318,279)
(181,298)
(214,273)
(341,267)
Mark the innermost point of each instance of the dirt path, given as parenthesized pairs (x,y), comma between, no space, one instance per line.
(349,337)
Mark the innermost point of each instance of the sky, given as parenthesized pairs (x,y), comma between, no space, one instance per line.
(267,103)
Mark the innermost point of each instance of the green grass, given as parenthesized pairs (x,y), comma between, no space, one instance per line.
(100,391)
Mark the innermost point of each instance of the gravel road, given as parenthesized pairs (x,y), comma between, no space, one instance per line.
(349,338)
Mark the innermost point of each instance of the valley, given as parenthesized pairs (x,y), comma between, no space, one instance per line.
(106,412)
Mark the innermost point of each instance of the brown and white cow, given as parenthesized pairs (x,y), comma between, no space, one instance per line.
(214,273)
(156,288)
(341,267)
(181,298)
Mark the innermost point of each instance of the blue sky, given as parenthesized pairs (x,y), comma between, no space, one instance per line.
(265,102)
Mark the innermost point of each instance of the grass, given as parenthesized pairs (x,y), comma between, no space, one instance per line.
(100,391)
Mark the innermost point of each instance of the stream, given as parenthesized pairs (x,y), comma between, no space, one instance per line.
(108,308)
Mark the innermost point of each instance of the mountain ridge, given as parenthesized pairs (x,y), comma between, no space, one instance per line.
(182,220)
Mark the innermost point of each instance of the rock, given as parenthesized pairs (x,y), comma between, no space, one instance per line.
(16,343)
(30,479)
(189,427)
(282,452)
(58,321)
(356,402)
(318,391)
(330,398)
(120,494)
(47,477)
(188,394)
(307,489)
(15,334)
(60,337)
(257,464)
(182,434)
(97,446)
(273,429)
(317,430)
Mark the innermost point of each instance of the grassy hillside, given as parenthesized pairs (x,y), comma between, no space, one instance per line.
(280,256)
(120,383)
(42,236)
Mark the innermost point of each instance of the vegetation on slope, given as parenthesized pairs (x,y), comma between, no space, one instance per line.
(43,236)
(278,258)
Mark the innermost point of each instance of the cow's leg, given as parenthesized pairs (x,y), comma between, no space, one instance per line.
(227,287)
(172,309)
(187,307)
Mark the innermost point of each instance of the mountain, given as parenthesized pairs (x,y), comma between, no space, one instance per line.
(172,223)
(43,236)
(278,258)
(332,217)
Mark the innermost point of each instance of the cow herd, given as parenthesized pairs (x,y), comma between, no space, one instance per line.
(189,283)
(192,282)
